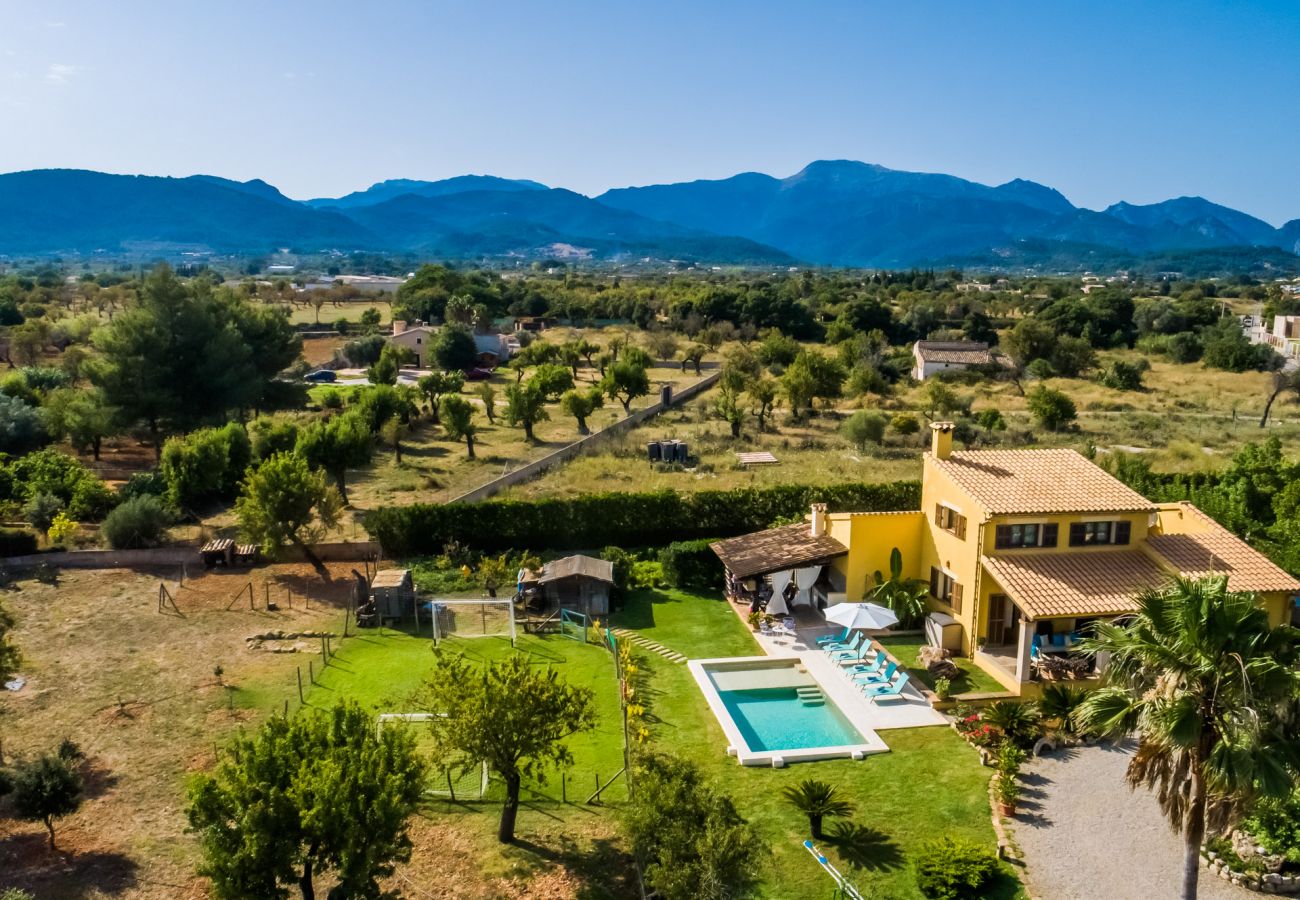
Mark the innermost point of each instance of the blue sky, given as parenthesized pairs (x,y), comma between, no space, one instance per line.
(1102,100)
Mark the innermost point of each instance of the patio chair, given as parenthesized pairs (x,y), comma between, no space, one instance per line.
(1058,640)
(888,692)
(840,638)
(853,655)
(872,679)
(866,655)
(871,668)
(851,644)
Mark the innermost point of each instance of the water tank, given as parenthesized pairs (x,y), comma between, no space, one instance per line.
(682,453)
(666,395)
(652,449)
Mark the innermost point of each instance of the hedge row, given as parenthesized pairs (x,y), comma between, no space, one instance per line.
(691,564)
(622,519)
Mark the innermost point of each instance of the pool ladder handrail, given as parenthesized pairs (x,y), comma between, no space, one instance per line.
(843,888)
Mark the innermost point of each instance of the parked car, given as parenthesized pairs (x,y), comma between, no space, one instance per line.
(321,376)
(478,374)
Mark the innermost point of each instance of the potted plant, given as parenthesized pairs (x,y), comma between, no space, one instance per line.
(1006,791)
(754,619)
(942,688)
(1006,786)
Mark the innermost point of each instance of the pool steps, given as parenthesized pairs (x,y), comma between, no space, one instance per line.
(811,696)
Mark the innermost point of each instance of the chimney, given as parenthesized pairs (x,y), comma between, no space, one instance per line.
(818,519)
(399,325)
(941,439)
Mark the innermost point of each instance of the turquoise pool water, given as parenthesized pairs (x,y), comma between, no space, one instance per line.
(776,719)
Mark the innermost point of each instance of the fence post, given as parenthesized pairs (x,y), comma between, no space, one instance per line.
(451,788)
(311,672)
(299,671)
(267,586)
(564,779)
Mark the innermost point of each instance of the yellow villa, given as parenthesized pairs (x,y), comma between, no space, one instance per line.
(1022,549)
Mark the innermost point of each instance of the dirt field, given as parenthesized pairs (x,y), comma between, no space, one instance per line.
(136,689)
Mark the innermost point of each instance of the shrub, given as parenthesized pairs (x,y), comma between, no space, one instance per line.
(44,378)
(905,424)
(1051,408)
(625,519)
(331,399)
(16,542)
(136,523)
(365,351)
(143,484)
(40,511)
(272,436)
(48,472)
(205,465)
(1020,723)
(20,426)
(1274,823)
(1122,376)
(691,564)
(91,500)
(622,561)
(951,869)
(63,529)
(864,428)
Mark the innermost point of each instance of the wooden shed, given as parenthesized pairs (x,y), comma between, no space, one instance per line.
(579,583)
(393,593)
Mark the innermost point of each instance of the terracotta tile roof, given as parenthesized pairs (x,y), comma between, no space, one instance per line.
(1218,551)
(971,353)
(1098,583)
(1007,482)
(569,566)
(776,549)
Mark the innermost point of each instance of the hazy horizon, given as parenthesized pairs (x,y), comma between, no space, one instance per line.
(1105,103)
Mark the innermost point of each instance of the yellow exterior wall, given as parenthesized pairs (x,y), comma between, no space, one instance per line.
(944,550)
(871,537)
(1138,525)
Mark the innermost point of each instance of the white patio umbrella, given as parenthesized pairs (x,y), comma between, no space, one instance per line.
(861,615)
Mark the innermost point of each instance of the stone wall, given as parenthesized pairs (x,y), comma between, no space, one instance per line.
(564,454)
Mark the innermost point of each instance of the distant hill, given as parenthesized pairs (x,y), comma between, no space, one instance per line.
(832,212)
(398,187)
(851,213)
(71,211)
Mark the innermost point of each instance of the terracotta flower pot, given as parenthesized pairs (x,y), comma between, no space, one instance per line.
(1006,810)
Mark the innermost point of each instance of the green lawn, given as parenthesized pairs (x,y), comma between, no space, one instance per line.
(931,784)
(383,670)
(973,679)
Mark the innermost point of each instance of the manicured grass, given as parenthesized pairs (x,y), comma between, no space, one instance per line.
(697,625)
(973,679)
(384,671)
(931,784)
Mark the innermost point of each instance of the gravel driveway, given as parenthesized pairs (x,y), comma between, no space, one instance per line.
(1085,835)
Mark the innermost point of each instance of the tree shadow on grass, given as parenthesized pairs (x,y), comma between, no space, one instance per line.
(863,847)
(602,867)
(27,862)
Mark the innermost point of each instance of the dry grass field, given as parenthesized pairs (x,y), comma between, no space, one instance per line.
(1189,418)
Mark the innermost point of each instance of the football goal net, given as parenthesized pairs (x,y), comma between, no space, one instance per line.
(470,784)
(473,618)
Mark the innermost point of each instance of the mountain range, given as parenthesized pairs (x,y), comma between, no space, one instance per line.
(839,213)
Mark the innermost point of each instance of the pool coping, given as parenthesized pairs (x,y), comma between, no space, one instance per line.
(736,745)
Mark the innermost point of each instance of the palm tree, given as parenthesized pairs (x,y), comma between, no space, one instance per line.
(1211,690)
(816,800)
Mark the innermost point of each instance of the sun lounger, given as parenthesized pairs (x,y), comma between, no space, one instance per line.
(854,655)
(871,679)
(851,644)
(827,639)
(866,668)
(889,692)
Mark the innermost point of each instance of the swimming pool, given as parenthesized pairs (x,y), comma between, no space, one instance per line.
(774,711)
